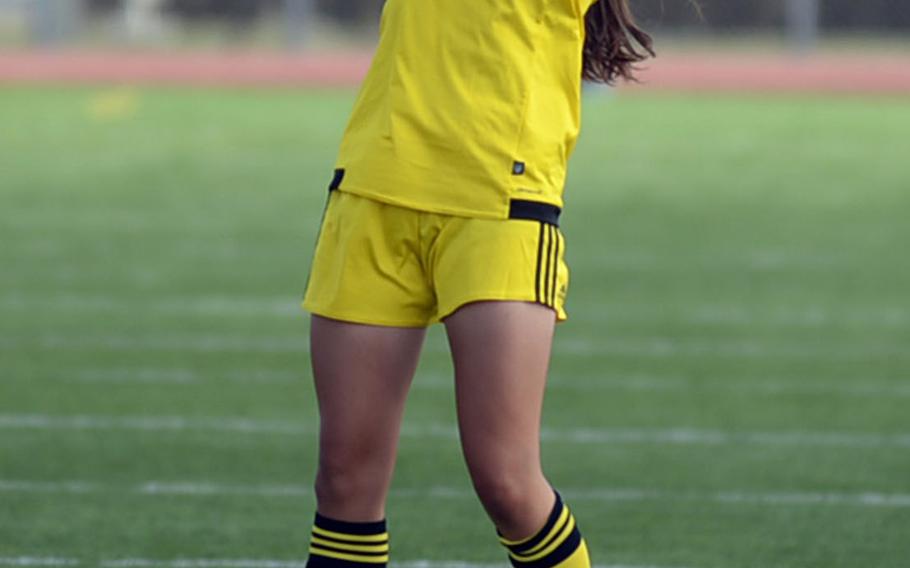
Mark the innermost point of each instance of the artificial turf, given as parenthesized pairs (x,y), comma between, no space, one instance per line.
(732,391)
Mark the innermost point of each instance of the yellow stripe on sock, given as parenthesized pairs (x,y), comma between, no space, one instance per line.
(349,557)
(566,532)
(510,543)
(351,547)
(556,526)
(381,537)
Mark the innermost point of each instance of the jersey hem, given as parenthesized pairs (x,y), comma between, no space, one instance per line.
(440,210)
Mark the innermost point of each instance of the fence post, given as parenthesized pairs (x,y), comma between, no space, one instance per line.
(298,15)
(803,24)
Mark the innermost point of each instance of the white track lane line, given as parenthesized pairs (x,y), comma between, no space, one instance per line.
(665,436)
(869,499)
(433,381)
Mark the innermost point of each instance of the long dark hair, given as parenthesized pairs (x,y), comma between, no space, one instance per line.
(614,44)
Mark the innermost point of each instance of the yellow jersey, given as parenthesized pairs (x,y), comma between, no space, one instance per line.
(468,106)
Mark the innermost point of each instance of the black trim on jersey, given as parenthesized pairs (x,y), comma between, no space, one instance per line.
(539,262)
(337,179)
(534,211)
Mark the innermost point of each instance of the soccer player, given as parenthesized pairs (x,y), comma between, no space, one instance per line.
(445,207)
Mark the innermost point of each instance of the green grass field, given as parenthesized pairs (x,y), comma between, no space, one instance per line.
(732,391)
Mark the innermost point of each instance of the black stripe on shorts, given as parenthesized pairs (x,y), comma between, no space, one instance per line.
(555,267)
(539,262)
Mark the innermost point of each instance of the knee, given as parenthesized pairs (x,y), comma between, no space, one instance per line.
(349,481)
(507,497)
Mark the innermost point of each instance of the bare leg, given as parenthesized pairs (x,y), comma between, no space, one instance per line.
(501,352)
(362,375)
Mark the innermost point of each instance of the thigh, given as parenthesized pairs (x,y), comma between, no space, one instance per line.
(362,375)
(501,352)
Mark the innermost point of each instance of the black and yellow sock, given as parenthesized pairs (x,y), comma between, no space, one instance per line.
(339,544)
(559,543)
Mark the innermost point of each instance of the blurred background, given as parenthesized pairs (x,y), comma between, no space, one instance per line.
(792,45)
(732,389)
(312,23)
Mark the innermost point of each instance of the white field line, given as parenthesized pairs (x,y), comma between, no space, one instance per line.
(202,563)
(653,383)
(50,562)
(216,245)
(173,342)
(37,561)
(151,375)
(436,381)
(199,305)
(737,497)
(151,424)
(666,347)
(209,250)
(756,259)
(646,348)
(595,436)
(100,222)
(71,487)
(288,307)
(456,564)
(212,249)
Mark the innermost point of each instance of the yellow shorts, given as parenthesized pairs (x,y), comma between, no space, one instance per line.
(380,264)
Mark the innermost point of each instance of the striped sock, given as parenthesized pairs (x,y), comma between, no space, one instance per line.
(559,543)
(338,544)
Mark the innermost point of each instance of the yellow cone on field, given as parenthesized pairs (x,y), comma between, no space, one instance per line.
(114,104)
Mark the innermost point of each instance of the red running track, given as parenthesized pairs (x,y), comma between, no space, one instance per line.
(861,74)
